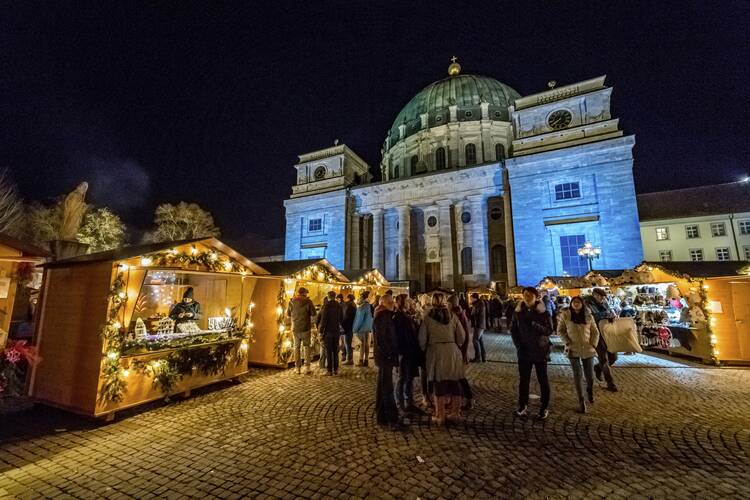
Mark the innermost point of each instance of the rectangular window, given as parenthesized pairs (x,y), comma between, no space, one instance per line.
(572,263)
(662,233)
(315,225)
(665,255)
(722,253)
(718,229)
(696,254)
(746,252)
(691,231)
(567,191)
(744,226)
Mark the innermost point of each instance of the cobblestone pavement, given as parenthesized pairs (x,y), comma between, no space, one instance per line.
(675,430)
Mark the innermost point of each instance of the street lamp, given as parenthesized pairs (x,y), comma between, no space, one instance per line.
(590,252)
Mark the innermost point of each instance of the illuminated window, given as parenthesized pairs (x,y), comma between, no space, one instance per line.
(696,254)
(572,263)
(722,253)
(662,233)
(718,229)
(692,232)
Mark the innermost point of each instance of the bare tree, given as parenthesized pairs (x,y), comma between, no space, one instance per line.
(11,206)
(180,222)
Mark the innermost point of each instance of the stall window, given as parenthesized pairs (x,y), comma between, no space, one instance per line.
(718,229)
(722,253)
(567,191)
(471,154)
(662,233)
(315,225)
(696,254)
(572,263)
(746,252)
(440,158)
(665,255)
(692,232)
(744,226)
(466,261)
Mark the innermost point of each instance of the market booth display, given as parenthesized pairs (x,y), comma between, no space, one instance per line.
(135,324)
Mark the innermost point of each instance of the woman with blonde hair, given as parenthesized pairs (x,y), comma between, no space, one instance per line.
(440,336)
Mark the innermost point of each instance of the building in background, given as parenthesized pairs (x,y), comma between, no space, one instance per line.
(697,224)
(479,185)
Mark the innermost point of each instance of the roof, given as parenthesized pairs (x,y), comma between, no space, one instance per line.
(464,91)
(27,249)
(355,275)
(705,269)
(290,267)
(128,252)
(733,197)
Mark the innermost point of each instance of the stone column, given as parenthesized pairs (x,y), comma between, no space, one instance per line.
(509,241)
(355,243)
(446,244)
(479,236)
(377,239)
(404,235)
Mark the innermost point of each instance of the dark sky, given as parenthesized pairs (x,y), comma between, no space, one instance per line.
(211,102)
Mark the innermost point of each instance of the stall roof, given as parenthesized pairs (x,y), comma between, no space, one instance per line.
(27,249)
(356,275)
(705,269)
(128,252)
(290,267)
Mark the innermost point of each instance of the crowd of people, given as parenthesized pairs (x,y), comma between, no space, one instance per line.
(432,338)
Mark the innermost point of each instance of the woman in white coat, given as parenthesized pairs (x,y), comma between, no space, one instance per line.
(577,328)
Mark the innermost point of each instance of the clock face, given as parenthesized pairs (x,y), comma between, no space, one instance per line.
(320,173)
(559,119)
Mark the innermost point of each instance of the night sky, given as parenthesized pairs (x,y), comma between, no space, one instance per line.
(212,102)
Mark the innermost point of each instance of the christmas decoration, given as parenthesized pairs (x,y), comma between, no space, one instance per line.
(15,359)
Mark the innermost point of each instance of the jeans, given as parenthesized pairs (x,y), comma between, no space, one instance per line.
(331,347)
(364,346)
(524,373)
(479,352)
(605,361)
(323,354)
(404,390)
(583,368)
(301,339)
(348,345)
(385,405)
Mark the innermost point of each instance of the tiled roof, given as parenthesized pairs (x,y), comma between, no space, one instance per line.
(716,199)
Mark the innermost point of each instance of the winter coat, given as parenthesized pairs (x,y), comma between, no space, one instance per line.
(329,319)
(600,311)
(444,360)
(459,313)
(349,310)
(384,338)
(406,338)
(479,315)
(193,308)
(301,311)
(581,339)
(363,318)
(530,331)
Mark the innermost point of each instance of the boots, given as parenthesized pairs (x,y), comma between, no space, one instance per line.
(581,406)
(590,394)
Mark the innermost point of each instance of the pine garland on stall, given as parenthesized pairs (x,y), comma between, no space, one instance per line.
(282,347)
(209,260)
(113,384)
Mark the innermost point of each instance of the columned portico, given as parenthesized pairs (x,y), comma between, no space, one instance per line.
(446,244)
(377,239)
(404,246)
(478,210)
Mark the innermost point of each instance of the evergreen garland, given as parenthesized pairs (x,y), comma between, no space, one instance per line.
(113,385)
(209,260)
(281,348)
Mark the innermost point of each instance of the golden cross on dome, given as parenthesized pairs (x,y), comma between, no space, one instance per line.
(454,59)
(454,68)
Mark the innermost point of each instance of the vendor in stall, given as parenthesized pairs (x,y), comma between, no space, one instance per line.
(188,309)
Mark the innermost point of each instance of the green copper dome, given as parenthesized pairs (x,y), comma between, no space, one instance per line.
(467,92)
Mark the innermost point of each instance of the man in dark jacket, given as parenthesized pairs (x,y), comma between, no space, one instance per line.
(409,353)
(350,310)
(597,304)
(386,358)
(479,324)
(530,329)
(329,326)
(188,309)
(301,311)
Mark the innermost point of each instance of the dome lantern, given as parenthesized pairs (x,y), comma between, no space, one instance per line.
(454,68)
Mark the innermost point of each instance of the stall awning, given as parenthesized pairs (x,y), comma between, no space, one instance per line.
(29,252)
(129,252)
(291,267)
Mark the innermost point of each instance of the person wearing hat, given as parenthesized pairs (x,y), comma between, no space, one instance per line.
(301,311)
(188,309)
(597,304)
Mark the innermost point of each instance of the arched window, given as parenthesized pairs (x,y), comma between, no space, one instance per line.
(471,154)
(414,163)
(466,264)
(395,172)
(439,158)
(499,152)
(498,259)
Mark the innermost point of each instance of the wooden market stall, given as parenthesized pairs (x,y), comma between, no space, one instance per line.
(19,287)
(373,281)
(110,336)
(273,341)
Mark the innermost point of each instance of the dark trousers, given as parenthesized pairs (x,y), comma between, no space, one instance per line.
(524,374)
(404,390)
(348,350)
(385,404)
(605,360)
(331,345)
(479,353)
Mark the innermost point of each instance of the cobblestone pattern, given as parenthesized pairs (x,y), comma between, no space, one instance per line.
(675,430)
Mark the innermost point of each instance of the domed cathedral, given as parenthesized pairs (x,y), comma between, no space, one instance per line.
(479,187)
